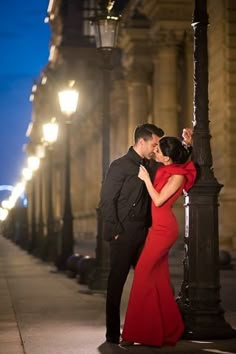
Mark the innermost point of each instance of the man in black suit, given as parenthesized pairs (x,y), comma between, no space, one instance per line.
(125,209)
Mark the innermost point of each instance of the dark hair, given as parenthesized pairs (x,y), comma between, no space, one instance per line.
(173,148)
(146,130)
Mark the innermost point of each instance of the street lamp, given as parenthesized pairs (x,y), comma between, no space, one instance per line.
(40,152)
(50,133)
(33,165)
(199,298)
(26,176)
(106,31)
(68,100)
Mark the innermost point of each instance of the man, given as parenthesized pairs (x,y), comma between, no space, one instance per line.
(125,209)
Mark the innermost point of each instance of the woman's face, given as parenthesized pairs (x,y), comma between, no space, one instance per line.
(158,155)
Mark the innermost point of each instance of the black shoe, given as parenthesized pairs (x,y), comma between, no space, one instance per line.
(114,340)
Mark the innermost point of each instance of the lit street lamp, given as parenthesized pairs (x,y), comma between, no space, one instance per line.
(199,298)
(106,30)
(50,133)
(68,100)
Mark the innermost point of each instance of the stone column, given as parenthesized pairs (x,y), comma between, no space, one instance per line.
(165,104)
(137,63)
(138,98)
(119,128)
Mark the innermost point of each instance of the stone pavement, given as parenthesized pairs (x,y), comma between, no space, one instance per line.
(44,312)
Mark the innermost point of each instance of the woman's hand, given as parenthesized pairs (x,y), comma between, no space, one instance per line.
(143,173)
(187,136)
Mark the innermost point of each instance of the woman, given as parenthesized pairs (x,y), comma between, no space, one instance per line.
(152,316)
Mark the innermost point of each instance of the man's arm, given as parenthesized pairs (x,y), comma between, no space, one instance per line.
(108,203)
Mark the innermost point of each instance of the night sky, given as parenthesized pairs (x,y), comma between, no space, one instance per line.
(24,41)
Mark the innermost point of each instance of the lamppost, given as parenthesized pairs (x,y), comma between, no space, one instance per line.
(27,175)
(50,133)
(68,100)
(199,298)
(40,151)
(33,164)
(106,30)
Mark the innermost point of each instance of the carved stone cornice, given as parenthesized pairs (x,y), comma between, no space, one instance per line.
(168,37)
(163,14)
(137,52)
(134,40)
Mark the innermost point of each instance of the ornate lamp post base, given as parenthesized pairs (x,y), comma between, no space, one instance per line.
(199,299)
(205,327)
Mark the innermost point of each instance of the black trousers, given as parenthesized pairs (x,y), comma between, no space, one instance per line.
(124,253)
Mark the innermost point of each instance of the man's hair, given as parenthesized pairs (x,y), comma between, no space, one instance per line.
(145,131)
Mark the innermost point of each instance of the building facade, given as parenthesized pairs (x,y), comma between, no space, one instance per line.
(152,81)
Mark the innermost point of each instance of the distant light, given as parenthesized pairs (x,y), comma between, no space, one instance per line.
(68,99)
(50,131)
(52,52)
(34,88)
(27,173)
(33,162)
(8,204)
(46,20)
(31,97)
(18,189)
(3,214)
(29,129)
(40,151)
(44,80)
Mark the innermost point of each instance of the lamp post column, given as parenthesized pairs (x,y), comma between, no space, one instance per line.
(67,228)
(33,239)
(50,133)
(68,100)
(99,279)
(50,214)
(40,216)
(199,297)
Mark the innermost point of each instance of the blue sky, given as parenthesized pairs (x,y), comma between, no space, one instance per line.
(24,42)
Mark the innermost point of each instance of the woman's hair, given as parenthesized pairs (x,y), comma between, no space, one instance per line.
(173,148)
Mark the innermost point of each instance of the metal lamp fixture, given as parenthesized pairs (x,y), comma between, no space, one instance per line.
(68,99)
(106,31)
(50,131)
(106,28)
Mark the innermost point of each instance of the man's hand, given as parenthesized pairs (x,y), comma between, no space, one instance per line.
(187,136)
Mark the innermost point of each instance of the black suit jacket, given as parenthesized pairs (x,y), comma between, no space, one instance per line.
(121,193)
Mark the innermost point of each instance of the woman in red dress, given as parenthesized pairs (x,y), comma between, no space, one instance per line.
(152,316)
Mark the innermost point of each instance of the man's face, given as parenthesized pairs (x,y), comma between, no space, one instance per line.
(149,146)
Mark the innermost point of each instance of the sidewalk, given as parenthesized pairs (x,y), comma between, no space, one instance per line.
(43,312)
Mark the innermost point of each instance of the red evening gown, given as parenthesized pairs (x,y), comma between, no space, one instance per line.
(152,316)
